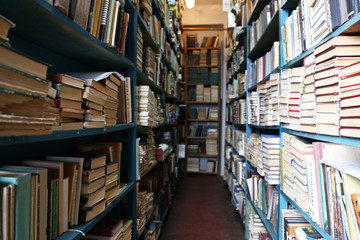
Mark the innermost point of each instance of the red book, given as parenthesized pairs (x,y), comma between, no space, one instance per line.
(107,227)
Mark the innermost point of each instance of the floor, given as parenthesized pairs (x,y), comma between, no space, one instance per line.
(202,209)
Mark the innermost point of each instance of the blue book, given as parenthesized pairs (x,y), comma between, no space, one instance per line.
(22,201)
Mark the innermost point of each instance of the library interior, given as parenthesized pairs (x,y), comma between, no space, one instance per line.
(180,119)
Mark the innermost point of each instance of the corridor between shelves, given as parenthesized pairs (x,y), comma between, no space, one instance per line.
(202,209)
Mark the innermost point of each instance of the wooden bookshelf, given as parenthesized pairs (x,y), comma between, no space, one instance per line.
(210,104)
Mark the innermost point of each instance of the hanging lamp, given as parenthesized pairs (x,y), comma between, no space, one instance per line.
(190,3)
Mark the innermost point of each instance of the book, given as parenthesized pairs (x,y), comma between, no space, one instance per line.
(91,175)
(92,198)
(5,26)
(66,79)
(107,227)
(80,162)
(40,217)
(81,15)
(90,212)
(68,92)
(58,173)
(87,188)
(63,6)
(22,201)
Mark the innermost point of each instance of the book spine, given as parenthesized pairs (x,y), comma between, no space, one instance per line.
(103,20)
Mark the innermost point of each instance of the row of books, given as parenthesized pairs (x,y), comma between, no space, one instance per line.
(264,65)
(203,57)
(201,93)
(107,22)
(207,41)
(309,23)
(202,131)
(264,196)
(322,97)
(207,113)
(195,164)
(75,187)
(263,153)
(255,227)
(237,86)
(237,194)
(269,92)
(294,225)
(238,168)
(146,151)
(203,147)
(203,75)
(236,138)
(236,112)
(323,179)
(259,26)
(149,109)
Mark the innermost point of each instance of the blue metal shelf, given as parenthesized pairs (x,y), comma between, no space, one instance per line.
(259,6)
(52,30)
(142,79)
(308,218)
(345,28)
(75,232)
(326,138)
(64,134)
(290,4)
(265,127)
(269,226)
(265,42)
(252,88)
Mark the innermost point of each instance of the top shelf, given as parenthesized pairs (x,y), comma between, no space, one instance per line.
(259,6)
(50,29)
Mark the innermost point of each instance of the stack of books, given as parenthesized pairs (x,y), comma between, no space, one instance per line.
(264,112)
(147,106)
(151,64)
(256,227)
(293,222)
(52,111)
(146,11)
(146,150)
(252,149)
(192,40)
(211,146)
(214,58)
(254,101)
(69,94)
(308,103)
(203,57)
(112,85)
(284,96)
(160,112)
(141,210)
(211,113)
(200,93)
(349,104)
(139,49)
(297,155)
(270,149)
(207,94)
(193,164)
(214,93)
(235,110)
(269,101)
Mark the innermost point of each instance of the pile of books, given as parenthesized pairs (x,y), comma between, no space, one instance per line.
(146,11)
(284,95)
(214,58)
(139,49)
(52,111)
(200,93)
(256,228)
(253,149)
(214,93)
(203,57)
(211,146)
(207,94)
(254,101)
(270,158)
(297,155)
(146,150)
(151,64)
(308,121)
(193,164)
(147,107)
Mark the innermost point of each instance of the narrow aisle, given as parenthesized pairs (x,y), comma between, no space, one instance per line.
(202,209)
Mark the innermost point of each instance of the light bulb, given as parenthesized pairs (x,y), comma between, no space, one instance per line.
(190,3)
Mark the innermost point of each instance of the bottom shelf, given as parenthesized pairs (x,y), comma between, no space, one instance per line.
(269,226)
(78,231)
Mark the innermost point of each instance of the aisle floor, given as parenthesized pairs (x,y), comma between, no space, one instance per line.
(202,209)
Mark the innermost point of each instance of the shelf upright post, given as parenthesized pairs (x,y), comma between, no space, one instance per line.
(132,55)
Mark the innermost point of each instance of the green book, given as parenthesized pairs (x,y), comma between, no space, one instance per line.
(22,201)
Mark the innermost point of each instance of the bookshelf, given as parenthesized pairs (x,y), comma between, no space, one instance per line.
(272,32)
(45,33)
(209,60)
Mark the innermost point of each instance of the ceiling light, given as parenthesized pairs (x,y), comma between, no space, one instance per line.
(190,3)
